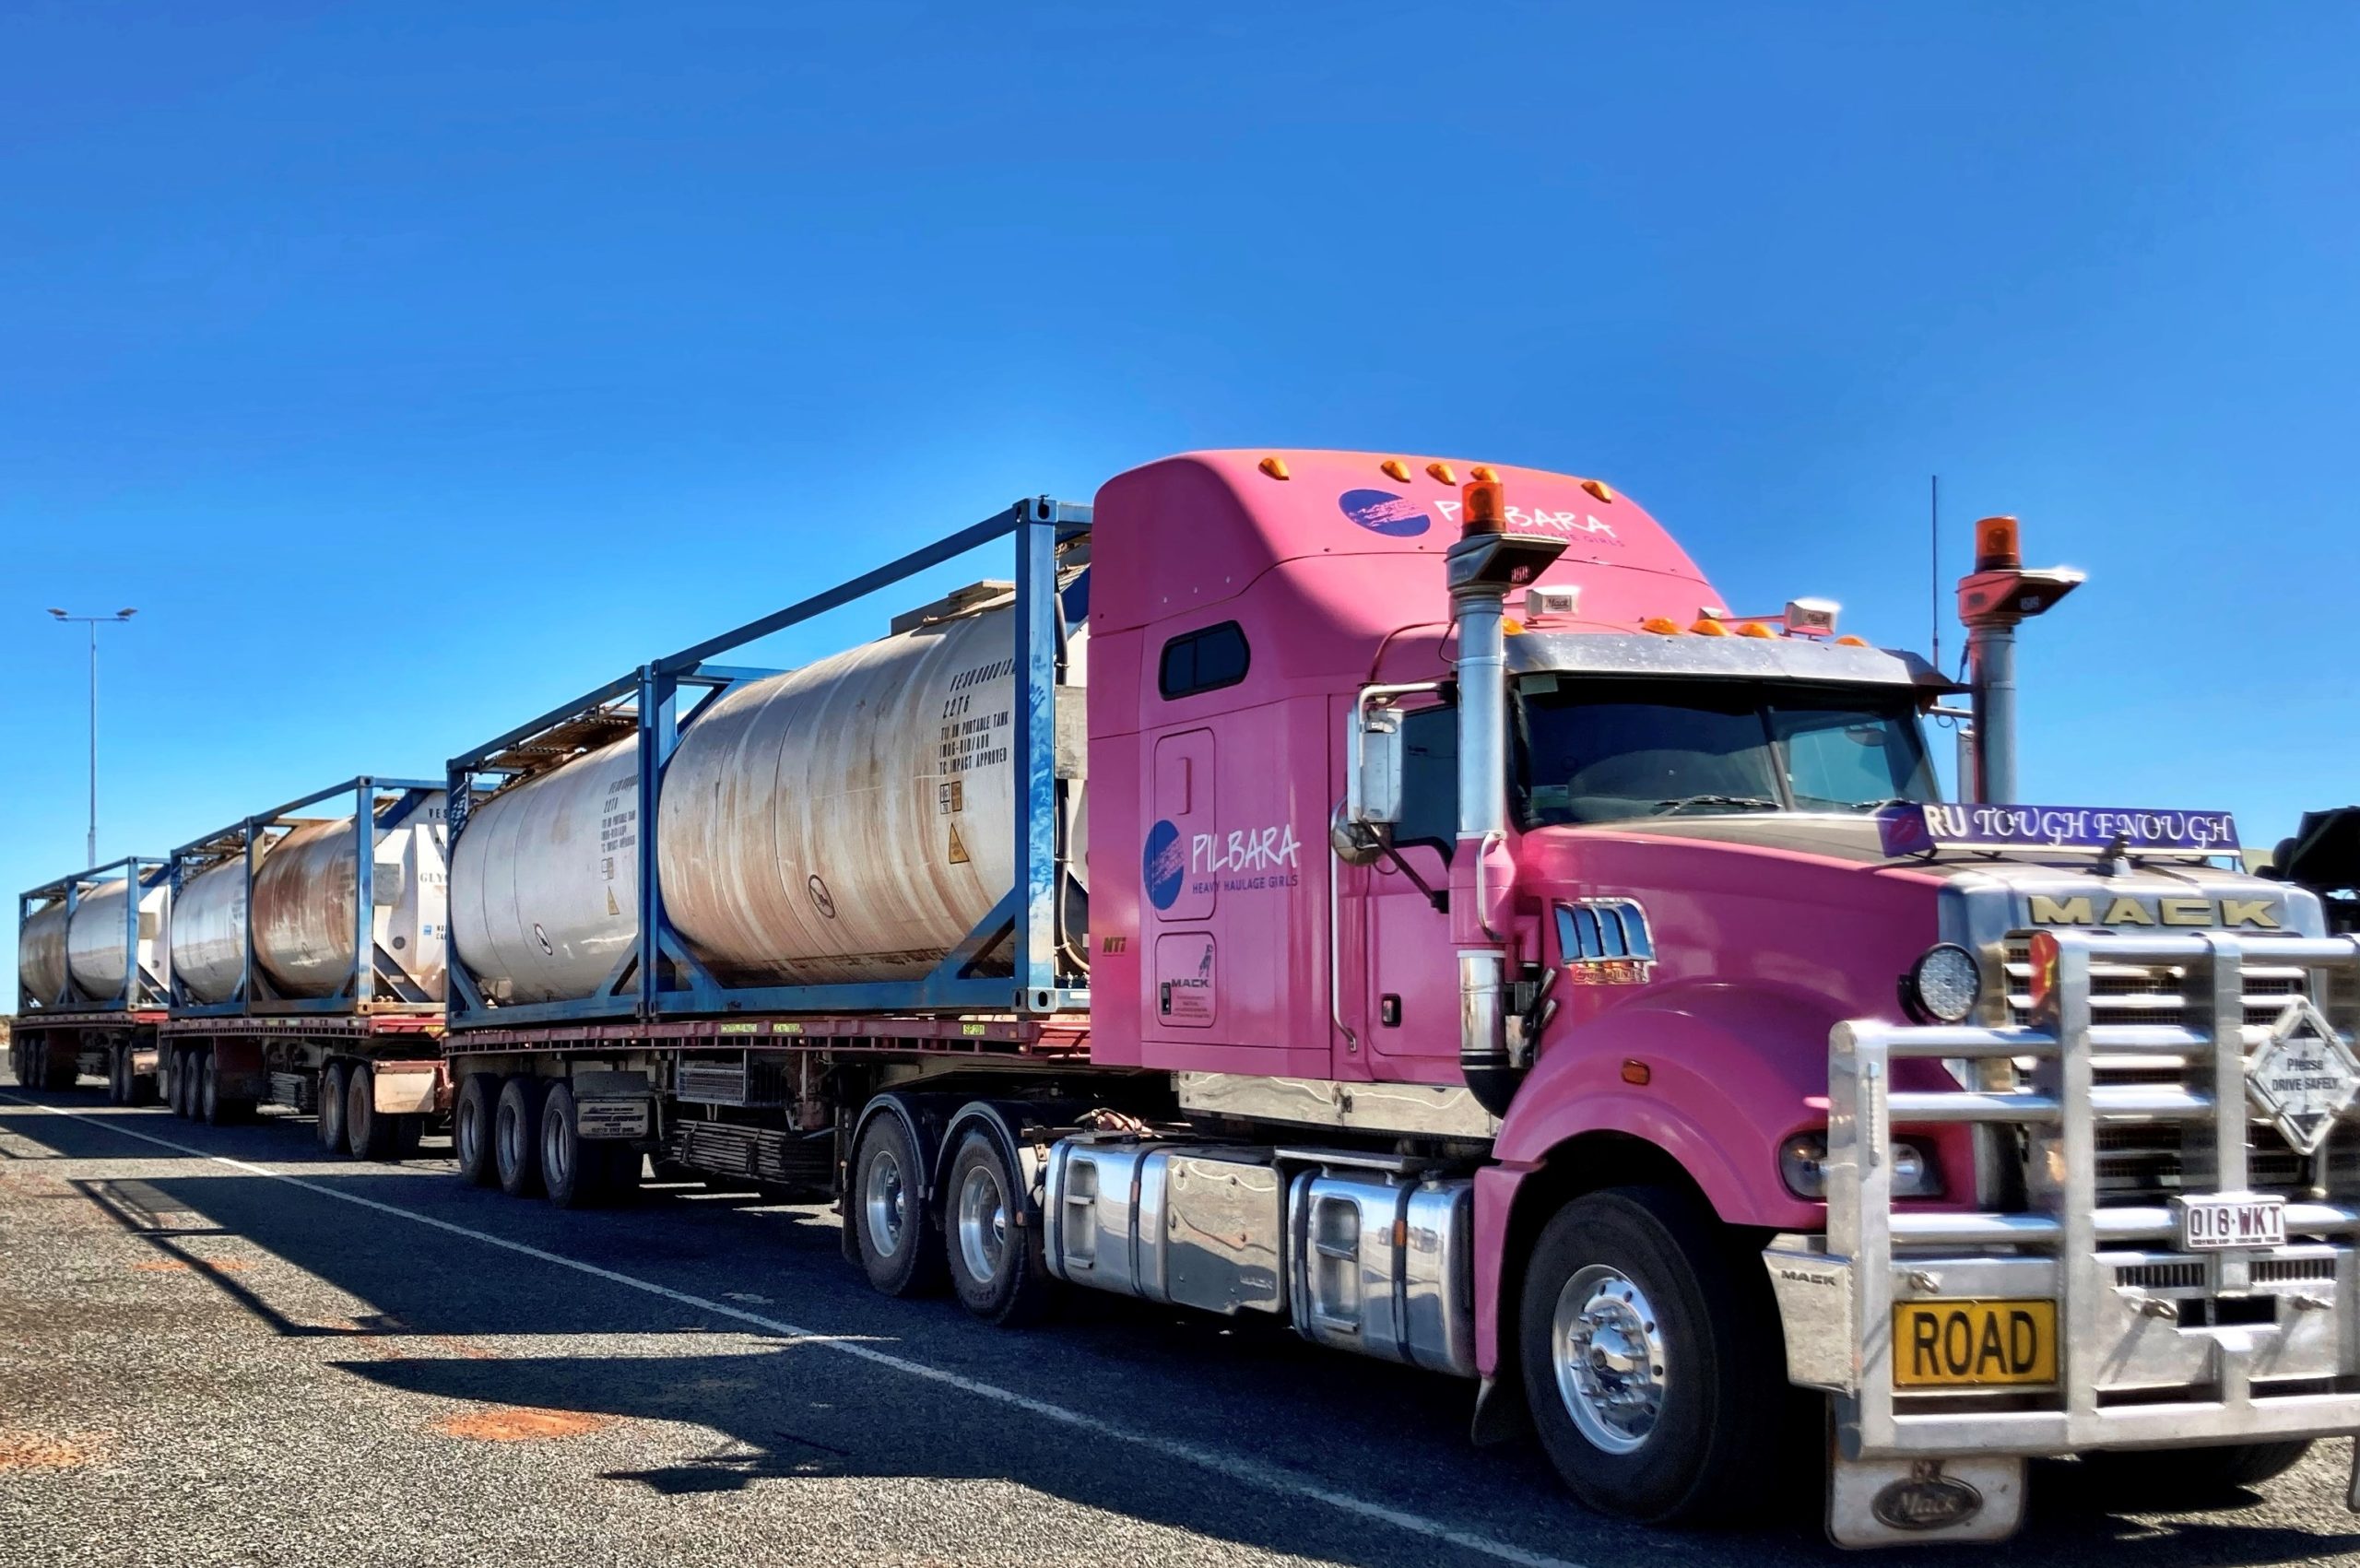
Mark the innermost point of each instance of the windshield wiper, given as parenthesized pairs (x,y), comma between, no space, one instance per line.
(1860,805)
(1732,802)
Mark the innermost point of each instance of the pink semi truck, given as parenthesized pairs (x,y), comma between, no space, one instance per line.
(1398,897)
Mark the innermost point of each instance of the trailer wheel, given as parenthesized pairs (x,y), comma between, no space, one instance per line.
(1651,1362)
(625,1164)
(572,1166)
(516,1137)
(996,1266)
(63,1069)
(901,1253)
(370,1136)
(210,1108)
(117,1060)
(335,1078)
(184,1081)
(471,1133)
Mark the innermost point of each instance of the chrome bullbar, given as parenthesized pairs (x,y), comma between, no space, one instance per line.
(2154,1343)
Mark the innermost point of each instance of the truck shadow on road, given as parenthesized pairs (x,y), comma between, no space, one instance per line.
(712,1405)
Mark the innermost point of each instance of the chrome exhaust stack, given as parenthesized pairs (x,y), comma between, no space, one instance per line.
(1482,567)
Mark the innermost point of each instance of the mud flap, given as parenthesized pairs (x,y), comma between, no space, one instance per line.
(1924,1502)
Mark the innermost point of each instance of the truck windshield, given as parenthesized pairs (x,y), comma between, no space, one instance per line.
(1616,750)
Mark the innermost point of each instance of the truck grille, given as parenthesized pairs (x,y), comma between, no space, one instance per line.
(2142,1164)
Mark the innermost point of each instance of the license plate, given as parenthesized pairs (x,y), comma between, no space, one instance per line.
(1974,1344)
(2214,1224)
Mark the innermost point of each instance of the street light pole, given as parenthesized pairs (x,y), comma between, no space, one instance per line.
(94,622)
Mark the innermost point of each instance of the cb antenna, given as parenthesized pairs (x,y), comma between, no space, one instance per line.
(1934,576)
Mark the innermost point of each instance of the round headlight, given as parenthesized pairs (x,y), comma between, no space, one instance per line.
(1943,986)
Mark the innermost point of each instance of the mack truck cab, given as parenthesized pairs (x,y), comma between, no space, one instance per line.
(1679,1063)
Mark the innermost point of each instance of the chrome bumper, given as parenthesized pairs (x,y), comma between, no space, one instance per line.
(2156,1347)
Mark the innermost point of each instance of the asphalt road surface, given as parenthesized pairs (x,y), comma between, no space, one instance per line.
(219,1346)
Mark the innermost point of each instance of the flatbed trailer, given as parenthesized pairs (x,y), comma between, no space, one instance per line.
(305,962)
(58,1050)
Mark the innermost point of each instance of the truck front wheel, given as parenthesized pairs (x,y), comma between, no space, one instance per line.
(2162,1478)
(1653,1372)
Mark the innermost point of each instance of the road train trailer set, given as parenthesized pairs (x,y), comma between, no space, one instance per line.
(1389,895)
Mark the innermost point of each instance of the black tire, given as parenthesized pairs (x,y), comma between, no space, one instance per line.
(572,1166)
(516,1137)
(211,1109)
(185,1083)
(625,1164)
(368,1135)
(990,1243)
(471,1136)
(335,1079)
(118,1063)
(2186,1478)
(1651,1274)
(900,1251)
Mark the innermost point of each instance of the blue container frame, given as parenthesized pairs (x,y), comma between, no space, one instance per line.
(1025,920)
(140,989)
(373,967)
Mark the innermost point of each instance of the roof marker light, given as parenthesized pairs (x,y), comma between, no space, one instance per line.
(1599,489)
(1443,472)
(1274,466)
(1706,626)
(1849,642)
(1484,473)
(1755,629)
(1662,625)
(1394,468)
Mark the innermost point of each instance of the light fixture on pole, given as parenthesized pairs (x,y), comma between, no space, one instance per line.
(94,622)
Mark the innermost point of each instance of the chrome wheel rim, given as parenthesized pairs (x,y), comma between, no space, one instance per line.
(982,1225)
(1608,1351)
(885,1209)
(556,1156)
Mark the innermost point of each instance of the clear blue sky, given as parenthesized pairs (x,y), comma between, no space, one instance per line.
(413,368)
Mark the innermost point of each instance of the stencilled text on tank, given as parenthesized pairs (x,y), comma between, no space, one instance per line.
(617,823)
(975,737)
(1244,859)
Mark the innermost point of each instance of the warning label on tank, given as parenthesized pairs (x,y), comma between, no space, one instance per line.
(973,737)
(618,825)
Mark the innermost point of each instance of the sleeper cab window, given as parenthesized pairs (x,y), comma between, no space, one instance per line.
(1204,660)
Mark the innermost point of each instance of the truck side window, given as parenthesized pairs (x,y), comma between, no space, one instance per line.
(1429,779)
(1203,661)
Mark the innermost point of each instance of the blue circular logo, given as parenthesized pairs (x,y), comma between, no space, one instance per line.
(1382,512)
(1163,866)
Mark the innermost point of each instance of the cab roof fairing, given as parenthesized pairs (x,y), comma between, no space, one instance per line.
(1186,533)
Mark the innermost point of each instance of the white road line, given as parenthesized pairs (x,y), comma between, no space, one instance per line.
(1253,1472)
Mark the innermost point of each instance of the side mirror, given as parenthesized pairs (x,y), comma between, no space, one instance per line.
(1372,804)
(1375,792)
